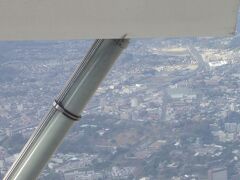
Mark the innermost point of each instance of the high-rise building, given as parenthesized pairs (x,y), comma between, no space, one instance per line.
(134,102)
(217,174)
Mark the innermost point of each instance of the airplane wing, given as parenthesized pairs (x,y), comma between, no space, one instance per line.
(92,19)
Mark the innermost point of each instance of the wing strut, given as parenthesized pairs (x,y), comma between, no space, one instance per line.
(66,109)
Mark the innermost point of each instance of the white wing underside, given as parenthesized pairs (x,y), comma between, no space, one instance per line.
(93,19)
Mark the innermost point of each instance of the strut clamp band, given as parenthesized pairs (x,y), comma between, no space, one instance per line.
(58,106)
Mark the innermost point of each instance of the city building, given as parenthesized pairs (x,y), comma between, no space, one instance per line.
(217,174)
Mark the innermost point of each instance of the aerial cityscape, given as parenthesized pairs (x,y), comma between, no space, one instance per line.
(168,110)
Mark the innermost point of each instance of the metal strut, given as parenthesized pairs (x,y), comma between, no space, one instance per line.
(66,109)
